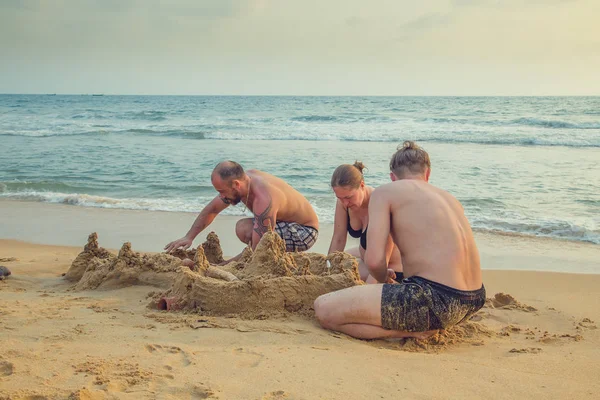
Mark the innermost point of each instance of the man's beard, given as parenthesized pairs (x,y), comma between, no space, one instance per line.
(235,200)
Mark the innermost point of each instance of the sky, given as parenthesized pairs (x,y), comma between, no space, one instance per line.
(301,47)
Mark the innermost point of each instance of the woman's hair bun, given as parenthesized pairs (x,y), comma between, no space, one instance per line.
(359,165)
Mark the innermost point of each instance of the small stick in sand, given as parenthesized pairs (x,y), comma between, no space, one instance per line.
(218,273)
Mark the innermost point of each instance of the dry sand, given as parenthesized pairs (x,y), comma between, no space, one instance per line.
(537,337)
(96,344)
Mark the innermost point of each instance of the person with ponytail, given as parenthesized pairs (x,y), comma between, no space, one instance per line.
(352,217)
(443,284)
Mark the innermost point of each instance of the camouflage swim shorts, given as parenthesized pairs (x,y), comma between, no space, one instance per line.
(417,305)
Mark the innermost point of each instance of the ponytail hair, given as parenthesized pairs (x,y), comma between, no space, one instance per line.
(348,175)
(409,158)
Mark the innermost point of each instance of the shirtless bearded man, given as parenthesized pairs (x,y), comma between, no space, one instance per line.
(275,204)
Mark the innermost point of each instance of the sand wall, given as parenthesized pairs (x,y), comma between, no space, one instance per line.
(265,282)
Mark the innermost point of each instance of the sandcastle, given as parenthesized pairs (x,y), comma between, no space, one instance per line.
(263,282)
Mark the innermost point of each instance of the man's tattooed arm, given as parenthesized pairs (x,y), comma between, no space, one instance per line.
(264,220)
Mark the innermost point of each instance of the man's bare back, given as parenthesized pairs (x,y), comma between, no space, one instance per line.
(441,286)
(432,233)
(291,205)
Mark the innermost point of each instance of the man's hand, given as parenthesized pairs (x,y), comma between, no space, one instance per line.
(183,243)
(232,259)
(391,276)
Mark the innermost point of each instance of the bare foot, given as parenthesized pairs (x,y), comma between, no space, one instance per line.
(423,335)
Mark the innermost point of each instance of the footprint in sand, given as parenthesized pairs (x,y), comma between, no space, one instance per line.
(87,394)
(248,359)
(557,338)
(117,374)
(33,397)
(586,323)
(193,392)
(173,355)
(6,368)
(199,392)
(532,350)
(510,329)
(276,395)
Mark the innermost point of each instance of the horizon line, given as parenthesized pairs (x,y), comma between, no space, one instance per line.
(92,94)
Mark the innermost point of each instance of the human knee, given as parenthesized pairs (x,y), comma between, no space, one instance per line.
(243,230)
(322,312)
(363,270)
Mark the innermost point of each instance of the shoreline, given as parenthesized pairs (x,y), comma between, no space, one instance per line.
(150,231)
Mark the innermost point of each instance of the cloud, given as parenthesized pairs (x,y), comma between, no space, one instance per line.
(427,21)
(188,8)
(354,21)
(298,46)
(112,25)
(203,9)
(20,4)
(509,3)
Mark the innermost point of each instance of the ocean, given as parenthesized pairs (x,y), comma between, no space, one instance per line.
(519,165)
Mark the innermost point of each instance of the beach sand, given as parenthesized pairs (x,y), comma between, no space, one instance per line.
(107,344)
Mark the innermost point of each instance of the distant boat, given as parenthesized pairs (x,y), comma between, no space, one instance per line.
(97,95)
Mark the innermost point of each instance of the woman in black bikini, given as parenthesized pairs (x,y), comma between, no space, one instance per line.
(352,217)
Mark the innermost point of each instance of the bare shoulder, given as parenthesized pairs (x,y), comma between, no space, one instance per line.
(383,193)
(389,188)
(266,186)
(263,178)
(450,198)
(445,196)
(443,192)
(260,179)
(256,174)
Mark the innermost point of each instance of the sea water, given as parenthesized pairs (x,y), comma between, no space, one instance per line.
(525,165)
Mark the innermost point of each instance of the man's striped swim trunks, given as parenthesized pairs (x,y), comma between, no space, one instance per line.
(296,237)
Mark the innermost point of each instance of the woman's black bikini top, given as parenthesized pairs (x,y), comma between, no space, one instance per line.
(358,233)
